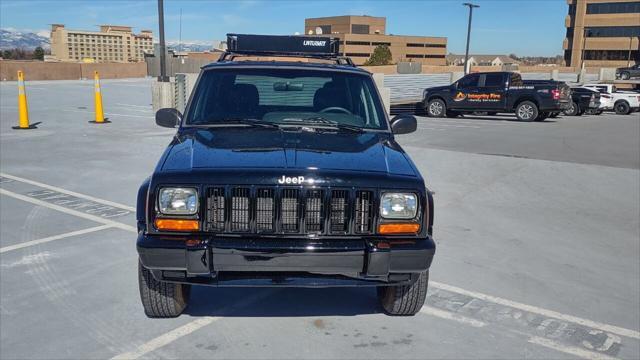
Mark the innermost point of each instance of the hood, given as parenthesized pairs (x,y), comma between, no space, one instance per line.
(241,148)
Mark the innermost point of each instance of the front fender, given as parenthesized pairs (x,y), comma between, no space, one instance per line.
(141,205)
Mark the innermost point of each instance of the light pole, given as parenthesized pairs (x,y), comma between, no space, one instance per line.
(585,32)
(466,54)
(629,56)
(163,61)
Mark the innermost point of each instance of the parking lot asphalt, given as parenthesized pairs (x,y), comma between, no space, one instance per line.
(537,227)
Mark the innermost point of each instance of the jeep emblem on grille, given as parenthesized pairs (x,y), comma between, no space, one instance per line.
(291,180)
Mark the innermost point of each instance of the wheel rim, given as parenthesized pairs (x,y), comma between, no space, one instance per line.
(525,112)
(435,108)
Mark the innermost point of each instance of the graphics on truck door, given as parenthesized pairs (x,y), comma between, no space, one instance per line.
(468,85)
(479,92)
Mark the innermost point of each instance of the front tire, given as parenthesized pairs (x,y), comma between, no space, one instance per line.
(625,76)
(622,108)
(406,299)
(527,111)
(161,299)
(436,108)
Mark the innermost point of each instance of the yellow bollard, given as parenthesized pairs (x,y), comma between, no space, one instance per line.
(98,101)
(23,111)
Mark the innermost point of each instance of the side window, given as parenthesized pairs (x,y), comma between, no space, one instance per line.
(516,80)
(469,81)
(494,80)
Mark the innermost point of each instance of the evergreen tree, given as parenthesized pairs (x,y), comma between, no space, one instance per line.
(381,56)
(38,53)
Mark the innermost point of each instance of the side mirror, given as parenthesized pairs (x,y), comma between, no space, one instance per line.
(404,124)
(168,117)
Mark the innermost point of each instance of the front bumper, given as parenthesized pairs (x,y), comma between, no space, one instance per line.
(226,261)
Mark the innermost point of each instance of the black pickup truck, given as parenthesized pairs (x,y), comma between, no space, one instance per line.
(284,173)
(498,92)
(583,100)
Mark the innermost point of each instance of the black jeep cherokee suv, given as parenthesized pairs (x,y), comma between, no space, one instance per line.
(284,173)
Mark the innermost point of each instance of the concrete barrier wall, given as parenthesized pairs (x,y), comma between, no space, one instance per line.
(114,70)
(39,70)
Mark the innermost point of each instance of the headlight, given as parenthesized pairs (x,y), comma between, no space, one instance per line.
(178,201)
(399,206)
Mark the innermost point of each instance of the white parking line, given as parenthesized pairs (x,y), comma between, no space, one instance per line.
(97,219)
(429,310)
(52,238)
(201,322)
(586,354)
(166,338)
(60,190)
(109,114)
(148,107)
(540,311)
(184,330)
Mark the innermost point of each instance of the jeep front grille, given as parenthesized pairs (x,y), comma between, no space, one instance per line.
(265,210)
(215,209)
(339,210)
(240,209)
(364,212)
(289,204)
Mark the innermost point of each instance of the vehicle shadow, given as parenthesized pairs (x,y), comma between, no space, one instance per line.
(282,302)
(505,117)
(510,118)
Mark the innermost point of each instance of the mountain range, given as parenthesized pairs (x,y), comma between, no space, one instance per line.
(28,40)
(23,39)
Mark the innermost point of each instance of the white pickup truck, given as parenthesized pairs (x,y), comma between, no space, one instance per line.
(624,102)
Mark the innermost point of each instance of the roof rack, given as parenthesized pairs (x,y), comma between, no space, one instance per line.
(284,46)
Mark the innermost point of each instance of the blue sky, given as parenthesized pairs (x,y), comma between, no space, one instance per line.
(523,27)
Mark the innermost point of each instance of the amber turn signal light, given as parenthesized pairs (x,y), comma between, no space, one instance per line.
(177,225)
(401,228)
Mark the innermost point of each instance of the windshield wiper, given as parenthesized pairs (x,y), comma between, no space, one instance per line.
(227,122)
(322,123)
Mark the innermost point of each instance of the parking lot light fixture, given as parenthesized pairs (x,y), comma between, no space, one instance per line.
(163,48)
(466,54)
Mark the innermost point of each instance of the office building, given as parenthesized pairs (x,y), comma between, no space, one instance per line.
(360,35)
(602,32)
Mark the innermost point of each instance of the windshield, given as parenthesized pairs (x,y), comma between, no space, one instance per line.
(286,96)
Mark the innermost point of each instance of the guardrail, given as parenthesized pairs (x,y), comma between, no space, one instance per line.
(406,87)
